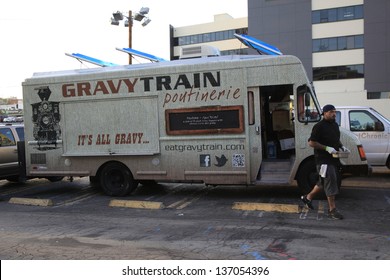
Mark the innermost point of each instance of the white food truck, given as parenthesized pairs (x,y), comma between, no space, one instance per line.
(372,129)
(230,120)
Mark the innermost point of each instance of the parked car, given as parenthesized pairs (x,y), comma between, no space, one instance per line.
(372,129)
(12,160)
(9,164)
(9,119)
(2,117)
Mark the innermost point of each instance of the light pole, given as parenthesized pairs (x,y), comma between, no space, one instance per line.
(139,16)
(130,25)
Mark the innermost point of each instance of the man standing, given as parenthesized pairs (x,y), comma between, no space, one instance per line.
(325,139)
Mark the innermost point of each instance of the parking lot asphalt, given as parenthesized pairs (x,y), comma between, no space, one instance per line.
(380,178)
(39,192)
(72,220)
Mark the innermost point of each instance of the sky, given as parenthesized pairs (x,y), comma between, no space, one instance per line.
(36,34)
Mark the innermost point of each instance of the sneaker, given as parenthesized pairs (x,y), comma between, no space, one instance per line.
(307,202)
(335,215)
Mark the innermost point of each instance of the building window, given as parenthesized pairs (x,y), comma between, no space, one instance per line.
(338,43)
(378,95)
(209,37)
(338,72)
(337,14)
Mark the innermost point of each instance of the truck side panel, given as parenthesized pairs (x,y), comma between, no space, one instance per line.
(111,128)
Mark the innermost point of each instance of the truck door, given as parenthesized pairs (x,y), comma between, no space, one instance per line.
(372,133)
(255,131)
(270,128)
(276,118)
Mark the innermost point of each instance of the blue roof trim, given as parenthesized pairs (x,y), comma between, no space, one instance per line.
(260,46)
(90,59)
(141,54)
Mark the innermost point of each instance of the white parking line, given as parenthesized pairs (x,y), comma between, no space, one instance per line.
(190,199)
(320,212)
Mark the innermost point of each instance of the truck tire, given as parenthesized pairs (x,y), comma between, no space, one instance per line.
(117,180)
(148,183)
(94,182)
(55,178)
(16,179)
(307,176)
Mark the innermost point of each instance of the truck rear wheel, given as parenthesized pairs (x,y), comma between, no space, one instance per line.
(55,178)
(117,180)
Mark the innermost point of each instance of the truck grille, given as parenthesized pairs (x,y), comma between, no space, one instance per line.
(38,158)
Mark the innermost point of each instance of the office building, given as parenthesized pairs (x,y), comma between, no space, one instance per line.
(343,45)
(219,34)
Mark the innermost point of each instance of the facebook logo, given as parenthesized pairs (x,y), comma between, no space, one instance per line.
(205,161)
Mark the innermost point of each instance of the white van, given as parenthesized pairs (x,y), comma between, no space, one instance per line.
(372,129)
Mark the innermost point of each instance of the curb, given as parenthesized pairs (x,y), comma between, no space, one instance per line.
(31,201)
(269,207)
(136,204)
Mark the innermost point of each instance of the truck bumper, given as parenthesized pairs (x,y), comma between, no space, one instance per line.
(356,170)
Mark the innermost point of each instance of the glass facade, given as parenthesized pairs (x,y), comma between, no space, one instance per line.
(337,14)
(378,95)
(338,72)
(338,43)
(209,37)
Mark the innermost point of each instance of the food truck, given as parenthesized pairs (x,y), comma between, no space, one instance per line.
(228,120)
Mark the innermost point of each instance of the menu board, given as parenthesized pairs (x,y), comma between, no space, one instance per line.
(205,120)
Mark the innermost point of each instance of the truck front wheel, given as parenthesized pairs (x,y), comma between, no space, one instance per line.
(117,180)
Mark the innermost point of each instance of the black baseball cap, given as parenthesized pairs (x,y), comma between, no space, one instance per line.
(327,108)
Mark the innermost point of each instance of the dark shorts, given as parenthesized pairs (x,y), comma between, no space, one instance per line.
(330,183)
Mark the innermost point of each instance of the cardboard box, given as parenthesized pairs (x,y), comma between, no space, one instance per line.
(287,144)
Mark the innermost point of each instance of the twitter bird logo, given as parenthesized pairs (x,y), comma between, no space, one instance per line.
(221,161)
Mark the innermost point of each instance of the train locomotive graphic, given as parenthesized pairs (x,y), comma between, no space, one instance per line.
(46,119)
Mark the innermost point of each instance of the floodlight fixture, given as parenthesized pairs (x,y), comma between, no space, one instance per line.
(118,16)
(138,16)
(144,10)
(146,22)
(114,22)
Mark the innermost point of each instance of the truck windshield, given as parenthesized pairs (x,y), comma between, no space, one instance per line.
(383,117)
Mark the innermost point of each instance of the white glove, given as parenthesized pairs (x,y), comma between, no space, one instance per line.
(330,150)
(345,149)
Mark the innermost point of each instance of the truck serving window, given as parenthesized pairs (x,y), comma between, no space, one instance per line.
(205,120)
